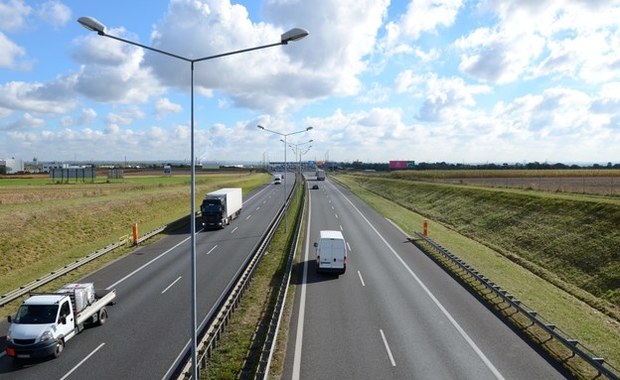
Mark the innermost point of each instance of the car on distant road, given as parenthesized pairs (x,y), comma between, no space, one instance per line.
(315,187)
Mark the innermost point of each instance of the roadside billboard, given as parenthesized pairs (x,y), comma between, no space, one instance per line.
(402,165)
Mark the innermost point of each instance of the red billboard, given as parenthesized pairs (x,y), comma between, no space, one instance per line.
(402,165)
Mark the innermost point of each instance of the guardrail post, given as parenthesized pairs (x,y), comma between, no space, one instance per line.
(425,228)
(135,234)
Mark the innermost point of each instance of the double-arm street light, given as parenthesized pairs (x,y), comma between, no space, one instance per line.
(285,135)
(297,150)
(295,34)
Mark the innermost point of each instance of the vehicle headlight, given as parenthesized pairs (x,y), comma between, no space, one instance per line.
(47,335)
(8,336)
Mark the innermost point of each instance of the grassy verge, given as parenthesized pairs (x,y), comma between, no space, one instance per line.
(595,330)
(237,353)
(62,223)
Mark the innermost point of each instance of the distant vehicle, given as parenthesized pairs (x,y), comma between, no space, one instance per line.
(45,322)
(331,252)
(220,207)
(320,175)
(277,180)
(315,187)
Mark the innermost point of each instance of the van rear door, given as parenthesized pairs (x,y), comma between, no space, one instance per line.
(332,254)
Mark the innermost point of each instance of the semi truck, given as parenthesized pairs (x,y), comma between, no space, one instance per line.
(46,321)
(320,175)
(220,207)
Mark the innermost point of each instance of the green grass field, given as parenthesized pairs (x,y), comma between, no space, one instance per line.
(44,226)
(539,246)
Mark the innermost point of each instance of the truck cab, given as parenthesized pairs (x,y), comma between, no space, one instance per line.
(45,322)
(41,326)
(331,252)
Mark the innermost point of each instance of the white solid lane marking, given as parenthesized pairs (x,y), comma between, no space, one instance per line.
(170,286)
(211,250)
(387,348)
(82,362)
(302,303)
(361,279)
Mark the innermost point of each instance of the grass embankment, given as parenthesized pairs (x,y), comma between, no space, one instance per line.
(238,351)
(541,247)
(44,226)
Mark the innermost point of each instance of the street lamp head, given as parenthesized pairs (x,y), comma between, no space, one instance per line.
(309,128)
(260,127)
(93,24)
(294,34)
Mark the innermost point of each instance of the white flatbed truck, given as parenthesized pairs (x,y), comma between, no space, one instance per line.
(45,322)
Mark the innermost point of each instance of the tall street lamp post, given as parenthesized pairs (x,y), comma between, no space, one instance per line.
(297,150)
(285,135)
(294,34)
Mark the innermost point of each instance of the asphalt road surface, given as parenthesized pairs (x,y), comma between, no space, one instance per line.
(394,314)
(150,325)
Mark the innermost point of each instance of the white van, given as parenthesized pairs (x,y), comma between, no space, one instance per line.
(331,252)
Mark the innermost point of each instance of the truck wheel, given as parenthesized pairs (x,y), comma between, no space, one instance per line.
(60,346)
(103,316)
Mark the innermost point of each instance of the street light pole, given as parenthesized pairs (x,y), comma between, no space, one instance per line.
(285,135)
(297,150)
(294,34)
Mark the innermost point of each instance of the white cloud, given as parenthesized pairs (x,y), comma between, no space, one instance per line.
(54,13)
(547,37)
(422,16)
(164,107)
(326,63)
(53,97)
(113,71)
(125,116)
(10,52)
(25,123)
(13,14)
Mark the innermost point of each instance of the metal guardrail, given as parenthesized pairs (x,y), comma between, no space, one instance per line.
(573,345)
(25,289)
(210,331)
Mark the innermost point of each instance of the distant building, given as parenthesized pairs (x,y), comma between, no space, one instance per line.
(48,167)
(12,165)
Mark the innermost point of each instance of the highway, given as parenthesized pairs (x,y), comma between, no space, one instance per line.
(149,326)
(394,313)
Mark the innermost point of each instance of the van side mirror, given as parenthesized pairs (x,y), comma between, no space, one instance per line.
(8,318)
(316,244)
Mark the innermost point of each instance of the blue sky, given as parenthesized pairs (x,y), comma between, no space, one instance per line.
(425,80)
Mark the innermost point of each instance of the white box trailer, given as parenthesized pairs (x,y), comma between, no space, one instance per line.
(331,252)
(45,322)
(220,207)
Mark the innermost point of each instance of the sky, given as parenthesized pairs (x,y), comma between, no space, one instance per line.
(457,81)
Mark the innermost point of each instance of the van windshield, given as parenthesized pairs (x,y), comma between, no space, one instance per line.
(36,314)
